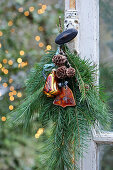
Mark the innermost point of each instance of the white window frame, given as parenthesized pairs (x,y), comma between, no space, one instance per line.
(84,16)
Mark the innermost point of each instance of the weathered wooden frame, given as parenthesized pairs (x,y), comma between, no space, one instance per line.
(86,21)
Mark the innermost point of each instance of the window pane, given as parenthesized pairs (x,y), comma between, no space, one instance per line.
(105,157)
(106,50)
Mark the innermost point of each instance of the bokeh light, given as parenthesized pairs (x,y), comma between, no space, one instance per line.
(19,94)
(41,28)
(6,51)
(37,38)
(26,13)
(5,85)
(14,92)
(10,62)
(10,93)
(0,65)
(20,9)
(39,132)
(1,33)
(12,30)
(11,88)
(44,7)
(19,60)
(3,118)
(41,44)
(11,98)
(6,71)
(5,61)
(11,107)
(48,47)
(22,52)
(10,80)
(10,23)
(31,9)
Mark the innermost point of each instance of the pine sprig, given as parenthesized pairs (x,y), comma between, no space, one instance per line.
(24,113)
(84,71)
(71,125)
(35,79)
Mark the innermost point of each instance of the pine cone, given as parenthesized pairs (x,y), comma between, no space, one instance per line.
(59,60)
(70,72)
(61,72)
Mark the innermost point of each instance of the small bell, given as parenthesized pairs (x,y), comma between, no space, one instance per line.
(65,98)
(51,86)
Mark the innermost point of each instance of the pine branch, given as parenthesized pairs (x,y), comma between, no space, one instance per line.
(71,125)
(24,112)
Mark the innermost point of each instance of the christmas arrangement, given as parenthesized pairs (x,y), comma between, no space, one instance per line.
(61,90)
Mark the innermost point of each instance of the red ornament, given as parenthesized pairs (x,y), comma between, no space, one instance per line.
(51,86)
(65,98)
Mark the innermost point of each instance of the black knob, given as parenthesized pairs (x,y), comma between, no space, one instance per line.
(66,36)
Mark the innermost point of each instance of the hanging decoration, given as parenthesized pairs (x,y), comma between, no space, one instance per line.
(61,90)
(51,86)
(65,98)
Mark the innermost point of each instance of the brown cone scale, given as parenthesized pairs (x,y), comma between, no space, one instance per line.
(59,60)
(61,72)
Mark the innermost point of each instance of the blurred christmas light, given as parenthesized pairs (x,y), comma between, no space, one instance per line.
(10,23)
(0,78)
(10,81)
(11,107)
(6,51)
(14,92)
(19,60)
(1,33)
(5,71)
(12,30)
(0,45)
(0,65)
(44,7)
(19,94)
(21,52)
(23,64)
(41,44)
(11,88)
(37,136)
(20,9)
(39,132)
(26,13)
(5,61)
(11,98)
(2,69)
(10,62)
(10,93)
(31,9)
(40,11)
(3,118)
(41,28)
(37,38)
(5,85)
(48,47)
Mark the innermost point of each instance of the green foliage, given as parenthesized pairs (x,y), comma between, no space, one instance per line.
(70,125)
